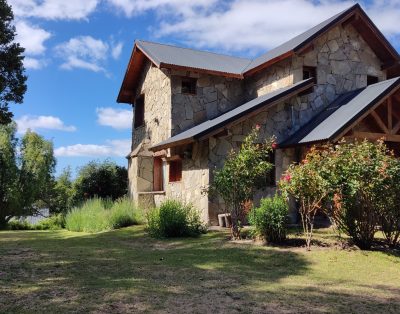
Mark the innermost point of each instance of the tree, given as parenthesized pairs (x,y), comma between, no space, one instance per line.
(62,193)
(25,179)
(12,78)
(103,180)
(236,182)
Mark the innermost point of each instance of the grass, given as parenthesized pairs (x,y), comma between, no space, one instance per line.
(127,271)
(97,215)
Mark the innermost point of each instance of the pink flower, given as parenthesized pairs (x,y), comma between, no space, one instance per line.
(258,127)
(305,161)
(274,146)
(287,177)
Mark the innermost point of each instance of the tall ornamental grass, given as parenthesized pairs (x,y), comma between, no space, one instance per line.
(96,215)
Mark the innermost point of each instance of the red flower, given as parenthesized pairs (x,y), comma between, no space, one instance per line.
(274,146)
(287,177)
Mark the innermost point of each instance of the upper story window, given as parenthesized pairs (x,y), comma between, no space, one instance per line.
(310,72)
(189,85)
(139,112)
(372,80)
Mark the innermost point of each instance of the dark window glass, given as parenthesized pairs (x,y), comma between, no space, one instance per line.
(189,85)
(372,80)
(139,111)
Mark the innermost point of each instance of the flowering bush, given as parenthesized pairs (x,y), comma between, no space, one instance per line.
(237,180)
(305,183)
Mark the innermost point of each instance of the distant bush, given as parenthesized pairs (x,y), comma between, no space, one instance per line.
(174,219)
(97,215)
(270,218)
(54,222)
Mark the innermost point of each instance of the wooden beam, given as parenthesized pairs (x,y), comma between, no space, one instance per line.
(389,113)
(377,136)
(353,18)
(269,63)
(396,128)
(380,122)
(305,49)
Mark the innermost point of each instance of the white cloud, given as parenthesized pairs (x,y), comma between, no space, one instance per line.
(83,52)
(249,25)
(118,148)
(34,64)
(54,9)
(42,122)
(116,50)
(116,118)
(31,37)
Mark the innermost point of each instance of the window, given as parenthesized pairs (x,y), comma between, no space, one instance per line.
(372,80)
(139,112)
(158,184)
(310,72)
(189,85)
(175,170)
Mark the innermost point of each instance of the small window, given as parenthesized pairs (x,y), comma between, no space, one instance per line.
(139,112)
(189,85)
(175,170)
(372,80)
(310,72)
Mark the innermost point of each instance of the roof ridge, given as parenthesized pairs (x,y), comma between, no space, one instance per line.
(192,49)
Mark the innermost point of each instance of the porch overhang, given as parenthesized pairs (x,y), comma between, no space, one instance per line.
(339,119)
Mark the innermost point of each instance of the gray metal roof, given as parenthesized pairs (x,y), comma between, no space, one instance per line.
(171,55)
(211,125)
(341,114)
(298,41)
(185,57)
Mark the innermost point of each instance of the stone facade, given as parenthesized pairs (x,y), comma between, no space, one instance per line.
(342,61)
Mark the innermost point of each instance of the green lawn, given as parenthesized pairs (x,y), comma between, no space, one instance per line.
(126,271)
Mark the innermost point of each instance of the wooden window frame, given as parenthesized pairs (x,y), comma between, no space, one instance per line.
(158,180)
(191,88)
(139,112)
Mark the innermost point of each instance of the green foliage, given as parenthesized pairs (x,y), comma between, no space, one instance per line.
(54,222)
(62,193)
(94,216)
(359,187)
(174,219)
(237,180)
(100,179)
(270,218)
(12,78)
(305,183)
(26,179)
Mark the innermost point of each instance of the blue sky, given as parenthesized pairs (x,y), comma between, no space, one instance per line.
(77,52)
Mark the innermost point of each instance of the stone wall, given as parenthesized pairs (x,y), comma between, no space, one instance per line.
(156,86)
(215,95)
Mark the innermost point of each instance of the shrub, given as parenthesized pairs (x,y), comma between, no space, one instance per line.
(306,184)
(174,219)
(96,215)
(270,218)
(54,222)
(238,179)
(19,225)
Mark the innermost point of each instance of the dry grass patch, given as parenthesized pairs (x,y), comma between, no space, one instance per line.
(126,271)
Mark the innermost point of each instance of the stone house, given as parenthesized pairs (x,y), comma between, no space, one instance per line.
(192,107)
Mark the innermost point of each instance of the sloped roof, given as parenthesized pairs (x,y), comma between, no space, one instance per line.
(189,59)
(164,55)
(341,114)
(207,128)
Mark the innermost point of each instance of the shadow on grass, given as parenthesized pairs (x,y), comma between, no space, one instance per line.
(126,271)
